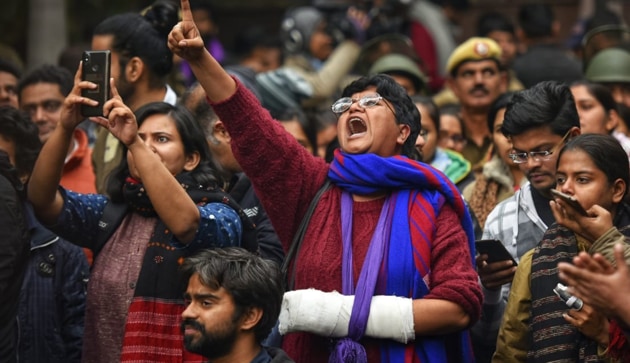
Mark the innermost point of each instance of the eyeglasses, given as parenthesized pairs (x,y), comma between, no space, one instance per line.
(343,104)
(543,155)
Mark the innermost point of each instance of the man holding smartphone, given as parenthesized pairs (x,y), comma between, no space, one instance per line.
(140,65)
(538,121)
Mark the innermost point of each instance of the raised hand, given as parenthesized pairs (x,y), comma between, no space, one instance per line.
(184,40)
(594,225)
(71,108)
(119,119)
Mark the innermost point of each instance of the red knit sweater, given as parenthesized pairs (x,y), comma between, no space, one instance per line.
(286,178)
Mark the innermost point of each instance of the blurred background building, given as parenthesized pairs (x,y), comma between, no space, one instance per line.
(36,31)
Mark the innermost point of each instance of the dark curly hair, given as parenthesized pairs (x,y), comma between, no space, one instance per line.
(17,127)
(144,36)
(251,280)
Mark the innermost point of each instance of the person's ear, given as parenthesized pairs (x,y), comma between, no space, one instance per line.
(134,69)
(573,132)
(251,317)
(192,160)
(619,190)
(403,134)
(613,120)
(452,85)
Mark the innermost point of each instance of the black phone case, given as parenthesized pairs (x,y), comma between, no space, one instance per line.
(96,69)
(495,250)
(569,200)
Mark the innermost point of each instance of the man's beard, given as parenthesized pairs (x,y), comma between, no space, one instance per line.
(210,345)
(125,89)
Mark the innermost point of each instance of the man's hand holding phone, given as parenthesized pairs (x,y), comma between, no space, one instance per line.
(495,265)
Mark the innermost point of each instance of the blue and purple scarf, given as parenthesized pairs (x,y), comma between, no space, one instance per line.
(406,264)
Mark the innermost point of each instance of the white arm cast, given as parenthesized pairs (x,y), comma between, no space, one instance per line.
(328,314)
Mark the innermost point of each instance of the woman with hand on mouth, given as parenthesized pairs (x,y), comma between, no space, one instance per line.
(593,169)
(384,269)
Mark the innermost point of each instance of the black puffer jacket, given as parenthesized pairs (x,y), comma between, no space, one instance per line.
(14,246)
(52,300)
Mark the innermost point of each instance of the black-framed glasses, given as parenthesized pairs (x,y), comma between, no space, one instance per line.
(542,155)
(343,104)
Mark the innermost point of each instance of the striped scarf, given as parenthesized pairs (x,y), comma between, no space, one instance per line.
(553,338)
(420,191)
(152,329)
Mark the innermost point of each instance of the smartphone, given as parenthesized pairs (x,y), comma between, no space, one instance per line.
(570,200)
(495,250)
(572,302)
(96,69)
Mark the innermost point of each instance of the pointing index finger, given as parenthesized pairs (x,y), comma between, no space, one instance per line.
(186,13)
(113,88)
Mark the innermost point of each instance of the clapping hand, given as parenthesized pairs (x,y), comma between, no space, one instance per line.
(597,282)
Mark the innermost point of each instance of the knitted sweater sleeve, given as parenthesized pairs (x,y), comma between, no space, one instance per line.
(284,174)
(453,277)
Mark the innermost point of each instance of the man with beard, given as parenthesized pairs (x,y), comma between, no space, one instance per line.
(477,79)
(538,121)
(233,301)
(140,65)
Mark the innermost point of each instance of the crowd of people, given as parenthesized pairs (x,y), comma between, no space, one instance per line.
(317,195)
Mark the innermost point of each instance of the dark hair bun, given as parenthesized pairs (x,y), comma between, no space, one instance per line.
(163,15)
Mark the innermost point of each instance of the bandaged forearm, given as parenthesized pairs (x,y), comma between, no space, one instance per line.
(328,314)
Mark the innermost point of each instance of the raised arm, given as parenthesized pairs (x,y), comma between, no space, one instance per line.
(185,41)
(169,199)
(259,144)
(44,182)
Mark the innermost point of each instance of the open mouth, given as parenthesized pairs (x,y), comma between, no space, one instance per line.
(356,126)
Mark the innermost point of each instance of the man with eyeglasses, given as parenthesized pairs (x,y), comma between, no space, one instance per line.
(403,272)
(538,121)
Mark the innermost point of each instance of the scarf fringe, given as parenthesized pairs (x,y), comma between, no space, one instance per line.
(348,351)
